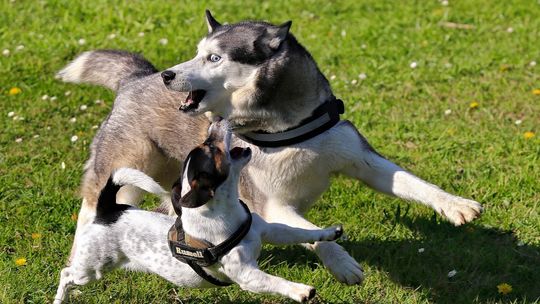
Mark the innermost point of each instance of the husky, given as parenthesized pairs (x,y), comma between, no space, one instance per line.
(279,104)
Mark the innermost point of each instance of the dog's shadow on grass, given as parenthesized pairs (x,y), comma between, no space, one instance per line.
(482,258)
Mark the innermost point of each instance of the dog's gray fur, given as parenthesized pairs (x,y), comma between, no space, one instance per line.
(265,80)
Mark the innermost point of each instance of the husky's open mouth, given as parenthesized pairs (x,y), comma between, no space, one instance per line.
(192,100)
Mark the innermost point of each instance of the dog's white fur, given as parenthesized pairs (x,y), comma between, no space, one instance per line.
(73,71)
(340,150)
(137,241)
(280,184)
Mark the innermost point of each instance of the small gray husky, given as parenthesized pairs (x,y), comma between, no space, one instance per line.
(268,86)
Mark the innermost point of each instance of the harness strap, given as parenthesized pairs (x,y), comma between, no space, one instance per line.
(322,119)
(197,258)
(203,274)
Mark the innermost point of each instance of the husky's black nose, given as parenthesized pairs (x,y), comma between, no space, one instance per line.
(168,76)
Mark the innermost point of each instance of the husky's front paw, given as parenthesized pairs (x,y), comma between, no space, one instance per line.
(332,233)
(460,210)
(340,263)
(302,293)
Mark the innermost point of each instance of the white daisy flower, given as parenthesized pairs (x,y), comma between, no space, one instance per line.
(94,127)
(18,140)
(362,76)
(518,122)
(332,77)
(532,63)
(67,93)
(444,3)
(19,47)
(36,136)
(163,41)
(11,114)
(6,52)
(354,81)
(452,273)
(98,101)
(81,41)
(140,34)
(413,65)
(74,138)
(420,250)
(510,30)
(53,98)
(44,97)
(73,120)
(83,107)
(76,293)
(448,112)
(112,36)
(343,33)
(63,165)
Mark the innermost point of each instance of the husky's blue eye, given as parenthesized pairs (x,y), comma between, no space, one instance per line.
(214,58)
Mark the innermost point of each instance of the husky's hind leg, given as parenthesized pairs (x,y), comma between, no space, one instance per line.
(365,164)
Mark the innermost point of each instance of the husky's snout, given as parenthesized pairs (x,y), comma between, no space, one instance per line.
(183,78)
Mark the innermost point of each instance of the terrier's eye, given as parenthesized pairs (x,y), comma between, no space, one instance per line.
(214,58)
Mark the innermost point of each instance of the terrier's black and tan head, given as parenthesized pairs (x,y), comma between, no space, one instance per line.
(210,168)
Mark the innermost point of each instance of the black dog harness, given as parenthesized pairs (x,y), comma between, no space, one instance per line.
(322,119)
(203,253)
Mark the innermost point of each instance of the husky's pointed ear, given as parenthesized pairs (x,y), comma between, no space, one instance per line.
(211,22)
(280,34)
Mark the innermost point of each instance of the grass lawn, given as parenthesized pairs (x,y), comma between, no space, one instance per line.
(446,90)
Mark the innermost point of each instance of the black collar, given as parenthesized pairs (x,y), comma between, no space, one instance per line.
(197,258)
(323,118)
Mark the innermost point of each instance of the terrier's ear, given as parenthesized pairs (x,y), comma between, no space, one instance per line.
(279,34)
(176,195)
(188,200)
(196,197)
(211,22)
(203,195)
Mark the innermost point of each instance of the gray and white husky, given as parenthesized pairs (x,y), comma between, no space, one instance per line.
(262,80)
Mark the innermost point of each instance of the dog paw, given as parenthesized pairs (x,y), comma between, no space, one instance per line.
(302,293)
(331,234)
(460,210)
(340,264)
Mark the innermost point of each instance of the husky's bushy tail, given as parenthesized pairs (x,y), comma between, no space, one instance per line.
(107,68)
(107,210)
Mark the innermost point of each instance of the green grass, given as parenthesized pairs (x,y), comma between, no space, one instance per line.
(479,153)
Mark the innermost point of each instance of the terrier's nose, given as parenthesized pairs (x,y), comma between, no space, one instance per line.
(168,76)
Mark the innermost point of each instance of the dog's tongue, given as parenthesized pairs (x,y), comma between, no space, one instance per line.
(193,99)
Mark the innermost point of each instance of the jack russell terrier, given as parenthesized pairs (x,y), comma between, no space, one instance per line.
(209,212)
